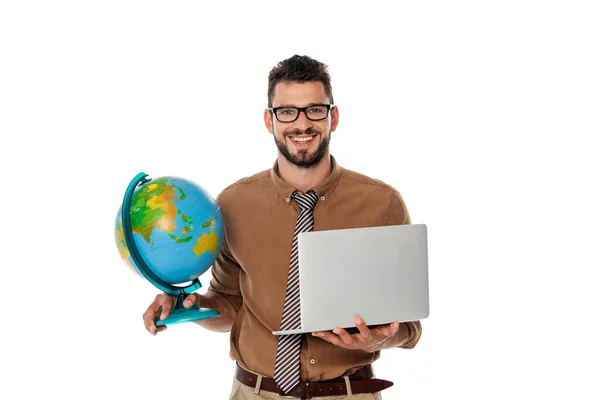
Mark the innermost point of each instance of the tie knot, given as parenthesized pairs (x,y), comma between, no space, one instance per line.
(306,201)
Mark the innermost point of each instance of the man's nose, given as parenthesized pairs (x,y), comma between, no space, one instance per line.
(303,122)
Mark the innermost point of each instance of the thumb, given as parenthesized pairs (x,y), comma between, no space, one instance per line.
(192,299)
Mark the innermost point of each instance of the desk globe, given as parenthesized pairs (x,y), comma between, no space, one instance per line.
(171,235)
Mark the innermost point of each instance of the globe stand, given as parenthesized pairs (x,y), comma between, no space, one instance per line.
(180,314)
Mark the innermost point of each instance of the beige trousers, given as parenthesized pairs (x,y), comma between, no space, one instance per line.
(239,391)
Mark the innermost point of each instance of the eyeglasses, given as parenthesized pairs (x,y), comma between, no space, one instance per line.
(315,112)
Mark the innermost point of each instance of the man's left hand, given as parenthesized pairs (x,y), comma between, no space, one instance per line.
(369,340)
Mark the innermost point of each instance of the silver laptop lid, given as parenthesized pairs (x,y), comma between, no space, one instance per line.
(378,273)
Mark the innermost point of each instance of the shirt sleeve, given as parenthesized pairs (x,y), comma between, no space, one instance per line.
(226,274)
(399,215)
(398,212)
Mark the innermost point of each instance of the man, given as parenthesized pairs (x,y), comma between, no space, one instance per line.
(253,278)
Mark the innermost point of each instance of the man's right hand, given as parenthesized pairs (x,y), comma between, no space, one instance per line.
(162,306)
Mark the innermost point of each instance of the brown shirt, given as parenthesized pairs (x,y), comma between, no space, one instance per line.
(259,218)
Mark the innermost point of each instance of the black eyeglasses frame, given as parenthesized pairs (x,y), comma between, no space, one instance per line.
(303,110)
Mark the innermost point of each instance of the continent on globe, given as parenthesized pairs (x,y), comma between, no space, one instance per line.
(122,246)
(208,241)
(153,208)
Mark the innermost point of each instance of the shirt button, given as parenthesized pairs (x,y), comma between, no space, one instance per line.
(287,199)
(312,360)
(322,198)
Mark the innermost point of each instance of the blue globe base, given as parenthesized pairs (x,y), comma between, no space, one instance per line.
(182,314)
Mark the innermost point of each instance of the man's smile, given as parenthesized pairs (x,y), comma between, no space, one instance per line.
(302,141)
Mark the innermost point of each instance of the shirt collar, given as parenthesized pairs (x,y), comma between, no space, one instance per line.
(323,190)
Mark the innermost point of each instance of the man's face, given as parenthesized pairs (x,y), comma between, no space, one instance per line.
(302,142)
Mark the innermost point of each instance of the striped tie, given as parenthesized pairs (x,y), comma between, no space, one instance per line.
(287,362)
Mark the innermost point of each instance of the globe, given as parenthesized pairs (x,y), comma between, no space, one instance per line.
(171,235)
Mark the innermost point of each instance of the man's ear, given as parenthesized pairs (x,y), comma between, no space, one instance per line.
(335,118)
(268,117)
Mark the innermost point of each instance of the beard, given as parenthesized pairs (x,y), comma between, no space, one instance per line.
(303,158)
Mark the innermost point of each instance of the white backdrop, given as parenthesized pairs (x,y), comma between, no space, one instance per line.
(483,116)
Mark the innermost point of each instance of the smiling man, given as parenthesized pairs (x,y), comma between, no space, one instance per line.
(254,282)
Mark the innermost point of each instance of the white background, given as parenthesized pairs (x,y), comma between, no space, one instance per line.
(484,115)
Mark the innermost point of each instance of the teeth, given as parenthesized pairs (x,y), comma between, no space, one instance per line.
(302,139)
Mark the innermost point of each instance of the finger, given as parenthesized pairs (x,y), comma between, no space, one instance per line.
(149,322)
(166,303)
(161,328)
(192,299)
(331,338)
(152,328)
(344,335)
(150,315)
(392,329)
(364,330)
(389,330)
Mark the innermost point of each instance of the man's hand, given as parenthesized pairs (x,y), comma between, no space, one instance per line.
(369,340)
(162,306)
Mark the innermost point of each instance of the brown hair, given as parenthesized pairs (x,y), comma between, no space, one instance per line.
(299,69)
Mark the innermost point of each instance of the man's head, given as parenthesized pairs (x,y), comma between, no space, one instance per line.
(302,136)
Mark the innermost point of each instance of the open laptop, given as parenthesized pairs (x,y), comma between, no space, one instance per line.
(377,273)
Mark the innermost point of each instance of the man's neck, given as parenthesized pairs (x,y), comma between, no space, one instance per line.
(304,179)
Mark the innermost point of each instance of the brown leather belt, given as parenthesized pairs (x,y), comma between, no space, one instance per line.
(360,382)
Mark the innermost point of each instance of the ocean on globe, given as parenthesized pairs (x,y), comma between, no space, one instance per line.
(177,227)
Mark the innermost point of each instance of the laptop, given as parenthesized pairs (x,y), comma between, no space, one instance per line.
(377,273)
